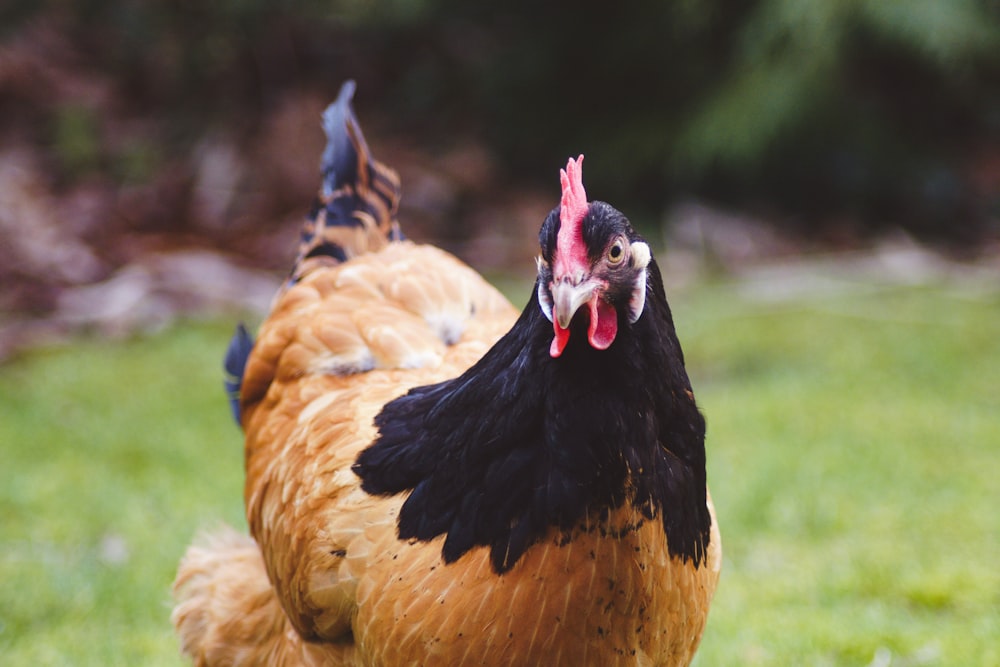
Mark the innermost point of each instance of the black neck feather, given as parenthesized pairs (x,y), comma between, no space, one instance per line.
(521,441)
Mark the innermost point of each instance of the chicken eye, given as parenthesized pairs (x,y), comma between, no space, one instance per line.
(616,253)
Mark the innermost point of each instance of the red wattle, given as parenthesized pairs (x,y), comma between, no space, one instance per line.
(603,324)
(559,341)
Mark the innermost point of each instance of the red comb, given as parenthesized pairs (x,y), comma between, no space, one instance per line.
(574,197)
(571,211)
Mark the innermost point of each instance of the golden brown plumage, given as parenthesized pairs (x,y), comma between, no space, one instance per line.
(326,580)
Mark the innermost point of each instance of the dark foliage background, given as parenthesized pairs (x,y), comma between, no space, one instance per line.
(835,119)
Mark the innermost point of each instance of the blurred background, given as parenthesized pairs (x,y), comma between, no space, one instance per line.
(822,178)
(740,128)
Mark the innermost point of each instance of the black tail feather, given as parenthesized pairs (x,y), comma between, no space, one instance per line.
(235,364)
(339,164)
(358,198)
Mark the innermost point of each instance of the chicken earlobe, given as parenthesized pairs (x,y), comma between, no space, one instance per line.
(640,260)
(542,292)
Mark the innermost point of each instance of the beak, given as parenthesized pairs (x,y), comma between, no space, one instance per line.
(567,299)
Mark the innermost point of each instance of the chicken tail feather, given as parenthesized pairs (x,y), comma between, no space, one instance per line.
(235,364)
(227,613)
(355,211)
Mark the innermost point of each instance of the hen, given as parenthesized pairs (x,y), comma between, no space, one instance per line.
(432,479)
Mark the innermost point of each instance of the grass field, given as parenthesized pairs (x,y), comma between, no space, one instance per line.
(854,458)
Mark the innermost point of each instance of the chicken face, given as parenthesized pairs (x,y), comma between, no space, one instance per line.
(590,256)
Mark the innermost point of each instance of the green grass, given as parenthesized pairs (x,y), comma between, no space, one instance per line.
(854,447)
(113,455)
